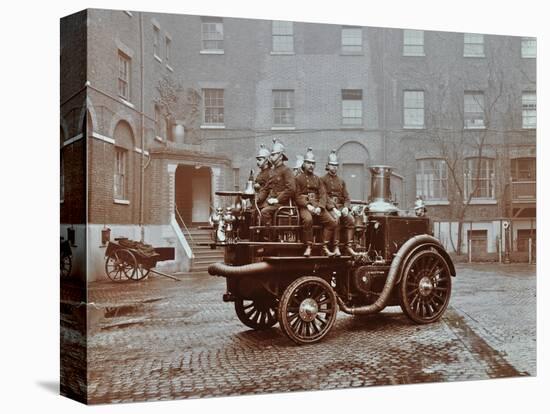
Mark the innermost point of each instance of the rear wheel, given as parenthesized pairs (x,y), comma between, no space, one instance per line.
(307,309)
(120,264)
(425,287)
(258,313)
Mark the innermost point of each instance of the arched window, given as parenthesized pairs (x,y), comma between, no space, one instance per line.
(124,144)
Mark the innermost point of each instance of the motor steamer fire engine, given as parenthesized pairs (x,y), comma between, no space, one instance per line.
(395,260)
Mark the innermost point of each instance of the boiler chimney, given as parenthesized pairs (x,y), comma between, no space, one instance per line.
(380,193)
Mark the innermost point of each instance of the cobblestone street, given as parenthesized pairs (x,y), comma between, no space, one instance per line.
(162,339)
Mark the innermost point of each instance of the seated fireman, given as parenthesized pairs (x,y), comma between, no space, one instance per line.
(338,203)
(311,198)
(262,161)
(280,186)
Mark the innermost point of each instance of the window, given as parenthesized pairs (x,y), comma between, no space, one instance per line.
(120,174)
(524,169)
(431,179)
(236,179)
(123,76)
(283,107)
(159,127)
(413,42)
(529,110)
(213,106)
(413,109)
(212,34)
(528,47)
(282,37)
(156,41)
(168,48)
(474,106)
(352,107)
(479,176)
(473,45)
(352,40)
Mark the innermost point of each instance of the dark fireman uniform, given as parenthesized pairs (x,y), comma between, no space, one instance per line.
(261,179)
(311,190)
(338,197)
(280,185)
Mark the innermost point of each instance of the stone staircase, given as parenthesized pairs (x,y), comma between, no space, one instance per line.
(204,255)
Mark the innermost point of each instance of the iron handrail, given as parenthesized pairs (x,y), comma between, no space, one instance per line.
(184,225)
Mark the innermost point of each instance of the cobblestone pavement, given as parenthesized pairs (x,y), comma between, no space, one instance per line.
(160,339)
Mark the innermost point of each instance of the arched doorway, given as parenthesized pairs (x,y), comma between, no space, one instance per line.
(193,193)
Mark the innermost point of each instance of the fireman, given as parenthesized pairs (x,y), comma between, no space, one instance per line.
(262,161)
(311,199)
(338,204)
(299,164)
(280,186)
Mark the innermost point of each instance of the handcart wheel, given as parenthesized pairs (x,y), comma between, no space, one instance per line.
(141,272)
(121,264)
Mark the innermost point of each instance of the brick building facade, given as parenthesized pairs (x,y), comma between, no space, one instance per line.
(176,106)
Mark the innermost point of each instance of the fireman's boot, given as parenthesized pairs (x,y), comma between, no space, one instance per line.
(307,252)
(337,252)
(349,242)
(326,250)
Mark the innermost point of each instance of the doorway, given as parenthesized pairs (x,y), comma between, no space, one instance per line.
(193,193)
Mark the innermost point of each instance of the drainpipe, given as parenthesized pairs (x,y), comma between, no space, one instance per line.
(142,157)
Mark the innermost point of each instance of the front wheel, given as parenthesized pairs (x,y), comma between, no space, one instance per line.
(425,287)
(307,309)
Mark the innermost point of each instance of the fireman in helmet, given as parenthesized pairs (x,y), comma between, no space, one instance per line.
(311,199)
(262,161)
(280,186)
(338,204)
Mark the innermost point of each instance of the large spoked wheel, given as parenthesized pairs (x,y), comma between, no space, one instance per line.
(121,264)
(258,313)
(140,273)
(425,287)
(66,265)
(307,309)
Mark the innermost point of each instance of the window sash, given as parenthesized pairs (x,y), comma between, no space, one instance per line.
(283,107)
(413,109)
(529,110)
(214,106)
(485,183)
(474,110)
(352,40)
(474,45)
(120,174)
(528,47)
(524,169)
(432,180)
(413,42)
(282,36)
(212,35)
(123,76)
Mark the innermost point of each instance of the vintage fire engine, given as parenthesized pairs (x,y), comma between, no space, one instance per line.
(395,261)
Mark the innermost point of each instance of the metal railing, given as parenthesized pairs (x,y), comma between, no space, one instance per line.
(179,219)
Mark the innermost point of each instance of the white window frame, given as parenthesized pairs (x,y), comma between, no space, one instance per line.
(212,31)
(120,174)
(413,42)
(474,110)
(124,72)
(474,45)
(413,109)
(282,37)
(352,107)
(158,123)
(283,108)
(432,180)
(214,101)
(352,40)
(529,47)
(156,43)
(167,49)
(488,176)
(529,110)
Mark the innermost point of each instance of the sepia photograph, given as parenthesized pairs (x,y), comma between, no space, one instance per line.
(256,206)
